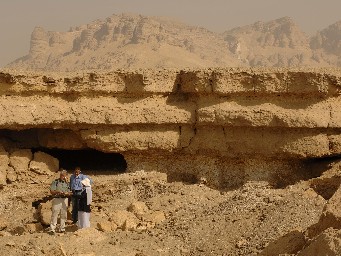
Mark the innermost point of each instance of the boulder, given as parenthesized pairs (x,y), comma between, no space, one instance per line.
(331,216)
(20,160)
(45,212)
(11,175)
(332,207)
(138,208)
(106,226)
(44,164)
(122,217)
(327,243)
(290,243)
(33,227)
(130,224)
(154,217)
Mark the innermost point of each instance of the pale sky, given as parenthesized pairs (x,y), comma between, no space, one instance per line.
(19,17)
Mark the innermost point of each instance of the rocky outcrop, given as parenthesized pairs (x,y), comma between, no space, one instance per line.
(136,41)
(328,39)
(126,41)
(213,124)
(279,43)
(327,243)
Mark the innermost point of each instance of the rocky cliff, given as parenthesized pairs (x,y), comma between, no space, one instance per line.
(215,161)
(222,125)
(136,41)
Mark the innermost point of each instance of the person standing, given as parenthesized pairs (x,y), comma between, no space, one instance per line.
(60,190)
(85,199)
(76,188)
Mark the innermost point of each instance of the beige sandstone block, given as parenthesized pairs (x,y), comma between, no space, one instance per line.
(327,243)
(44,110)
(11,175)
(271,114)
(138,208)
(106,226)
(331,216)
(155,217)
(43,163)
(271,82)
(209,139)
(20,160)
(119,111)
(148,80)
(199,81)
(130,224)
(163,138)
(332,208)
(290,243)
(45,212)
(122,217)
(308,146)
(233,81)
(301,82)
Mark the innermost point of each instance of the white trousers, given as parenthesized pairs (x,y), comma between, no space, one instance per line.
(83,219)
(58,205)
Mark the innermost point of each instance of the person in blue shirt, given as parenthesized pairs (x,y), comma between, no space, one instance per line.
(76,188)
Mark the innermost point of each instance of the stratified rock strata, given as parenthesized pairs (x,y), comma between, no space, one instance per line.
(225,126)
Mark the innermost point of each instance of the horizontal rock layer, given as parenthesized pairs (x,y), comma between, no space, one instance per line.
(277,113)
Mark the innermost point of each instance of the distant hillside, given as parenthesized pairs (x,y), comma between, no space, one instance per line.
(136,41)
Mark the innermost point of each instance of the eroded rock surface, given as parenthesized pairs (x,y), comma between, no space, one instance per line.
(137,41)
(221,119)
(218,161)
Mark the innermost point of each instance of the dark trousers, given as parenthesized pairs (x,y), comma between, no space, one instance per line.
(75,204)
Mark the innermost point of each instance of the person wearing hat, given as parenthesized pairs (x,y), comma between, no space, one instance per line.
(85,199)
(60,191)
(76,188)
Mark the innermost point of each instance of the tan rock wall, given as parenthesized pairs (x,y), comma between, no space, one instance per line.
(220,172)
(162,115)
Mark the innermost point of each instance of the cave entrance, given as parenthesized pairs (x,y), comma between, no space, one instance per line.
(89,160)
(55,142)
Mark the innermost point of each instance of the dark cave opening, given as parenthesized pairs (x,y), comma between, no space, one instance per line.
(89,160)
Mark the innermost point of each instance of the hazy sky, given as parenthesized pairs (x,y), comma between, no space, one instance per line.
(19,17)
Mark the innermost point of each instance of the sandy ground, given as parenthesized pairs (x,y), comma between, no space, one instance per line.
(198,220)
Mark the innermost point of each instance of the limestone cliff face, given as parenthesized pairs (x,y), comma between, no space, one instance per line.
(277,43)
(136,41)
(222,124)
(328,39)
(126,41)
(327,44)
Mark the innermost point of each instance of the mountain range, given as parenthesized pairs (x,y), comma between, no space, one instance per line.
(136,41)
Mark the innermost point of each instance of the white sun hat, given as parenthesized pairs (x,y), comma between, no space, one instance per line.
(86,182)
